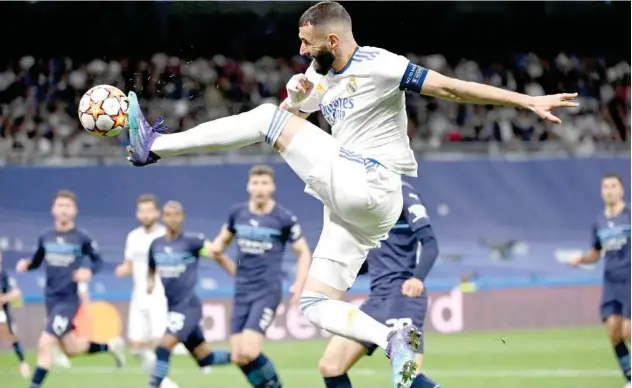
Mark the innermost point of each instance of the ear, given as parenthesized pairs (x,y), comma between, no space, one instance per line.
(334,40)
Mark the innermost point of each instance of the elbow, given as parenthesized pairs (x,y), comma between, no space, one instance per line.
(447,88)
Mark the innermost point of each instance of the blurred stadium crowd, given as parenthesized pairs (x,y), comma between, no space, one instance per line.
(38,99)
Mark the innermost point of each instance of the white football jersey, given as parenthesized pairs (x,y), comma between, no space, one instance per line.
(366,108)
(137,251)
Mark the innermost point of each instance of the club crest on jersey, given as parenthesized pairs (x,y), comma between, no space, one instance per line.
(320,89)
(352,85)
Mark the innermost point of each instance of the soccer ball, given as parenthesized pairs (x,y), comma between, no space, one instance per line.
(103,111)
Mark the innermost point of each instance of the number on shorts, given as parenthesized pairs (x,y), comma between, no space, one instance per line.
(266,318)
(398,323)
(379,243)
(60,324)
(175,322)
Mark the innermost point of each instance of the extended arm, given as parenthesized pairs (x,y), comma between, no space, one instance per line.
(38,257)
(440,86)
(151,270)
(12,294)
(304,259)
(220,257)
(429,251)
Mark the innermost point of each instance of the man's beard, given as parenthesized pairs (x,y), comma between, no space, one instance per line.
(323,61)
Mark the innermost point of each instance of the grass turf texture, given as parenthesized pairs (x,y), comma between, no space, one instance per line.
(578,358)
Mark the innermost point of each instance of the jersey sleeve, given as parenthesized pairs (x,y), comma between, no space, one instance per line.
(151,261)
(415,212)
(197,244)
(294,231)
(90,248)
(596,243)
(311,104)
(39,255)
(396,73)
(127,255)
(230,223)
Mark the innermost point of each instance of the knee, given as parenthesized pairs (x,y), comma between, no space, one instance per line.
(625,330)
(249,354)
(330,367)
(46,342)
(310,299)
(615,334)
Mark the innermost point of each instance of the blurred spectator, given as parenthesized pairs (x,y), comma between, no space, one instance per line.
(38,99)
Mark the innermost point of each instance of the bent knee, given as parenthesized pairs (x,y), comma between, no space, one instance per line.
(331,366)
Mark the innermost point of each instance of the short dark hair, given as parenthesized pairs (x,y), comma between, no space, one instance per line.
(323,13)
(261,169)
(66,194)
(148,198)
(612,175)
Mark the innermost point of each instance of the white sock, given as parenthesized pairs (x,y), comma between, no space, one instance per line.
(264,123)
(343,319)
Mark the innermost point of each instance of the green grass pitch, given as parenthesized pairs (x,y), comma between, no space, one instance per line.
(580,358)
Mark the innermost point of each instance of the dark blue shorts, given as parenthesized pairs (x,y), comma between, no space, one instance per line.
(183,322)
(615,299)
(60,316)
(254,315)
(395,312)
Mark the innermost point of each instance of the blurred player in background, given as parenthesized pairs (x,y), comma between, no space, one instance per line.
(262,229)
(612,240)
(356,172)
(147,317)
(64,248)
(10,292)
(398,296)
(174,257)
(60,359)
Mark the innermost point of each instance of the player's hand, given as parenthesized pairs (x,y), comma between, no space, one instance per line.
(82,275)
(22,265)
(121,271)
(412,288)
(543,105)
(295,300)
(298,88)
(575,261)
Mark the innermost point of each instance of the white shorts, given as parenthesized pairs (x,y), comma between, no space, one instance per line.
(362,199)
(147,320)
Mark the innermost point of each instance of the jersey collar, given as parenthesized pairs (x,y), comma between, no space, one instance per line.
(346,66)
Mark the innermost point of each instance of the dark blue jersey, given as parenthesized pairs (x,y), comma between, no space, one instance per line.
(395,259)
(176,262)
(7,284)
(611,236)
(64,253)
(261,241)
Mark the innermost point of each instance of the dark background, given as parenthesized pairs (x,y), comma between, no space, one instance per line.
(247,30)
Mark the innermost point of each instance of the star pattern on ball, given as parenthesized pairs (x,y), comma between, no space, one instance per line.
(95,110)
(120,119)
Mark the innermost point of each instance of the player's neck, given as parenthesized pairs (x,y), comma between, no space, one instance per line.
(264,208)
(64,226)
(614,209)
(347,49)
(151,228)
(173,234)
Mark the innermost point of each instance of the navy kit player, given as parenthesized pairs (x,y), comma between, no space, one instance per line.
(10,292)
(71,257)
(356,172)
(174,257)
(398,296)
(612,241)
(261,228)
